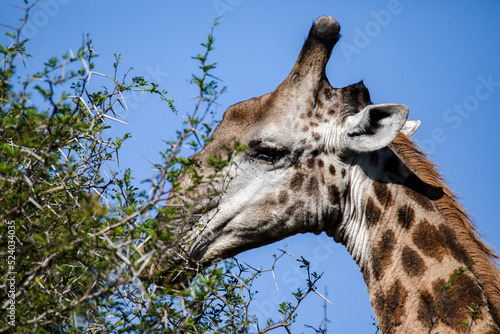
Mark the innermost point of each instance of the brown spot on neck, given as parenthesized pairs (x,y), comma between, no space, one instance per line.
(406,216)
(383,194)
(426,309)
(450,301)
(390,307)
(382,254)
(372,213)
(456,250)
(413,264)
(429,240)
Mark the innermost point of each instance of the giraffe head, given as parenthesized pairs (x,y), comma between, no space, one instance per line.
(301,141)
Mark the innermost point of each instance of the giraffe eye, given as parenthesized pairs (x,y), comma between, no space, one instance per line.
(266,153)
(269,156)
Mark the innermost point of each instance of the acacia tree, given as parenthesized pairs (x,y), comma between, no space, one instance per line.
(79,250)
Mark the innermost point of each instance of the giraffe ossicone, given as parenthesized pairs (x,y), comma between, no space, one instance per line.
(323,159)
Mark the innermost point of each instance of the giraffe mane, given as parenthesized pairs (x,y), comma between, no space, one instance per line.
(483,256)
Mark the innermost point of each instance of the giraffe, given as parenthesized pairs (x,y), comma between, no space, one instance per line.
(323,159)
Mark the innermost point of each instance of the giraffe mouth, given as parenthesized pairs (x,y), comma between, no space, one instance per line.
(198,251)
(205,236)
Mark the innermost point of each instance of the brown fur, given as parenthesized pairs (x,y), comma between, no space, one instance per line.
(458,221)
(332,170)
(297,181)
(391,306)
(383,193)
(372,213)
(312,186)
(413,264)
(429,240)
(333,193)
(283,197)
(406,215)
(383,254)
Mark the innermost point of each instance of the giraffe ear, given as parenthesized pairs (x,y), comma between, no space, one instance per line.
(411,126)
(375,126)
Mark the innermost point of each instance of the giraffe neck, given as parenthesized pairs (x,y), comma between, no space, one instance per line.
(419,272)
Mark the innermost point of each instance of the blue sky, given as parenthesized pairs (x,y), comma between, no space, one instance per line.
(439,58)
